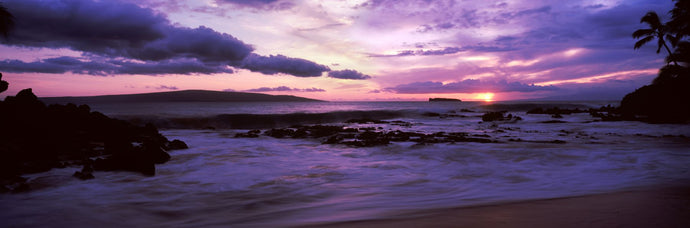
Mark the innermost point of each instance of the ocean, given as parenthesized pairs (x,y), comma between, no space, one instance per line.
(264,181)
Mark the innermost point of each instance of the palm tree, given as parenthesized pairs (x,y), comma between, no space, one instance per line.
(6,21)
(682,71)
(656,30)
(680,19)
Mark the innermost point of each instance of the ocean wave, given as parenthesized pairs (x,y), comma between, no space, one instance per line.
(544,105)
(261,121)
(262,117)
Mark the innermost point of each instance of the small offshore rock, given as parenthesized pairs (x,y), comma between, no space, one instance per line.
(177,145)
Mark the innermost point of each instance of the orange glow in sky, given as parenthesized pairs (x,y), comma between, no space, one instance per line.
(487,97)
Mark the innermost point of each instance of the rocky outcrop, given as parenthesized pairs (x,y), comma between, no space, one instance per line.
(36,138)
(659,103)
(499,116)
(365,137)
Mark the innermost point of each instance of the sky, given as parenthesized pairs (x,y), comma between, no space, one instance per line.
(335,50)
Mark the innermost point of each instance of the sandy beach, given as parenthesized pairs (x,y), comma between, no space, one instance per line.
(649,207)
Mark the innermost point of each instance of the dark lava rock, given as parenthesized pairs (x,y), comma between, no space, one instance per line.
(499,116)
(249,134)
(555,111)
(553,121)
(37,138)
(606,113)
(177,145)
(431,114)
(492,116)
(366,121)
(280,133)
(319,131)
(369,137)
(86,172)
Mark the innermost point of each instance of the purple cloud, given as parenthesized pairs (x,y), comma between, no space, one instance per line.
(274,64)
(109,31)
(284,89)
(261,4)
(115,29)
(512,15)
(607,90)
(201,43)
(467,86)
(444,51)
(348,74)
(112,67)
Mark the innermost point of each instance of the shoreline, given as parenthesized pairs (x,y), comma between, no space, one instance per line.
(659,206)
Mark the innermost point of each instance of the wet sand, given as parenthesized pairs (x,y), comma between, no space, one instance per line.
(660,207)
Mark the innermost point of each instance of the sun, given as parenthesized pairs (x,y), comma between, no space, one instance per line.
(487,97)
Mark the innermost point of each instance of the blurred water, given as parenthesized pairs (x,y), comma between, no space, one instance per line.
(192,109)
(223,181)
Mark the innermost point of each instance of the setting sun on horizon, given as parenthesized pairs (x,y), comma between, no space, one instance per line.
(486,97)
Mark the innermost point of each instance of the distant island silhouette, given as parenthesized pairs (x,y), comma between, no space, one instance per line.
(179,96)
(444,99)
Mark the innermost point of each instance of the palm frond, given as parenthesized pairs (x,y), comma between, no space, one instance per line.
(680,19)
(652,19)
(643,41)
(643,32)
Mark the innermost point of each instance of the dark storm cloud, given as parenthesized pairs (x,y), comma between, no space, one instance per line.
(108,31)
(274,64)
(101,27)
(201,43)
(119,30)
(111,67)
(467,86)
(348,74)
(284,89)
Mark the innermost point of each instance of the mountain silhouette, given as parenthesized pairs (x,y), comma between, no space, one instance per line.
(178,96)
